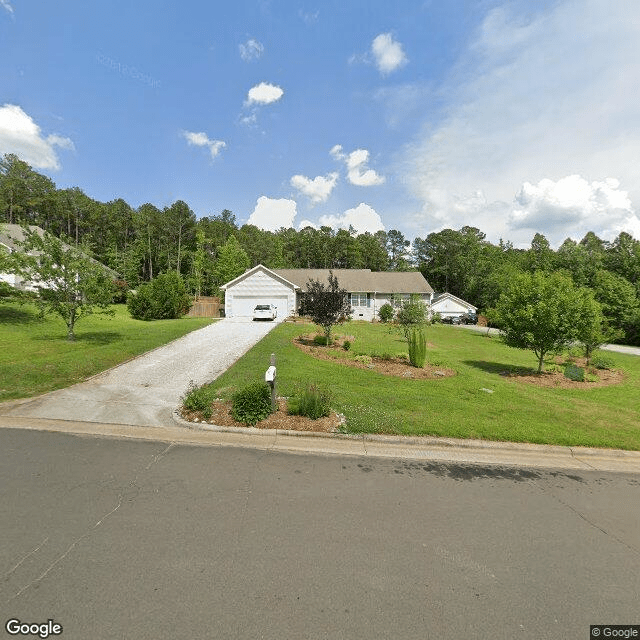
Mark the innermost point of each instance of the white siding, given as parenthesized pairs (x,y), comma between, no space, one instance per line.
(258,288)
(449,307)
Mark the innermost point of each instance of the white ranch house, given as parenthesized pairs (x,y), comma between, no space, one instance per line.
(448,305)
(368,290)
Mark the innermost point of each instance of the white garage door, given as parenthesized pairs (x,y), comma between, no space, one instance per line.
(244,305)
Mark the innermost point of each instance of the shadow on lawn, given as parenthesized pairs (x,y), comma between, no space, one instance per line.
(500,368)
(91,337)
(17,316)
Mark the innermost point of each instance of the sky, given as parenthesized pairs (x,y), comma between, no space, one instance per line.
(514,117)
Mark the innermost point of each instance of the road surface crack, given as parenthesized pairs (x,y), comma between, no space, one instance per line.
(87,533)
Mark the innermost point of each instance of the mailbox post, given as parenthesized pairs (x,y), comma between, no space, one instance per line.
(270,378)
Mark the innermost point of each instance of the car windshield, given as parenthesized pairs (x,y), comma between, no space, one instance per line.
(262,307)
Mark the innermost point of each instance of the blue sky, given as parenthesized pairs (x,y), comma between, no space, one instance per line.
(515,117)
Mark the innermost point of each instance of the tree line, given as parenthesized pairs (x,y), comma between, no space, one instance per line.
(144,242)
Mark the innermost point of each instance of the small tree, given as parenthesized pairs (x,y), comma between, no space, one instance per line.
(70,283)
(590,324)
(327,305)
(544,313)
(412,315)
(386,312)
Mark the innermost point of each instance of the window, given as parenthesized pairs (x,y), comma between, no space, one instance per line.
(359,299)
(398,299)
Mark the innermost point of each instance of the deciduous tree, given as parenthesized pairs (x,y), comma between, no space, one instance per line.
(327,305)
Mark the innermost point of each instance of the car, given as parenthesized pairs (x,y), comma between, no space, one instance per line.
(451,319)
(265,312)
(469,318)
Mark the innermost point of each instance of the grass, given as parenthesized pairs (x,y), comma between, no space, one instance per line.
(456,406)
(36,356)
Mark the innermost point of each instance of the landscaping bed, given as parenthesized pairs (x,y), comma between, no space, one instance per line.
(387,365)
(221,417)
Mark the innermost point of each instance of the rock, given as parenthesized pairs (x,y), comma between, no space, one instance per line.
(487,390)
(439,373)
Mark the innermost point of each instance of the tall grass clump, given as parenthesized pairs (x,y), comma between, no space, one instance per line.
(313,402)
(417,348)
(199,399)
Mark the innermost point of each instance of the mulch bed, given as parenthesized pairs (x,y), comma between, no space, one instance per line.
(557,379)
(279,420)
(397,367)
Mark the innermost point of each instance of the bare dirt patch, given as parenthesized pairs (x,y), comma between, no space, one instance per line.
(397,367)
(221,417)
(557,379)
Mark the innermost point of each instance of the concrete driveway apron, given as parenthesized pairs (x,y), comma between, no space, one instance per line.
(146,390)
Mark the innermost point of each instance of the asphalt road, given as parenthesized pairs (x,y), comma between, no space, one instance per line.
(126,539)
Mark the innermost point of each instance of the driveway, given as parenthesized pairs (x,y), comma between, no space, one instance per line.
(146,390)
(619,348)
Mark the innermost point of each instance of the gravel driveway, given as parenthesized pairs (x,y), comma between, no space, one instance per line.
(146,390)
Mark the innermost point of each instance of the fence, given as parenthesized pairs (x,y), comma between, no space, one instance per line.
(205,307)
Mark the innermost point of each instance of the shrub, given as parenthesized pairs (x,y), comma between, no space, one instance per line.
(602,362)
(120,290)
(321,340)
(364,359)
(313,402)
(252,403)
(198,399)
(346,345)
(574,373)
(417,348)
(386,312)
(164,298)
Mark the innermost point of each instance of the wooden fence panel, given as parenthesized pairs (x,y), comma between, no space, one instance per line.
(205,307)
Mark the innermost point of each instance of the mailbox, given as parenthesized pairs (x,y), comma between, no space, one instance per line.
(270,374)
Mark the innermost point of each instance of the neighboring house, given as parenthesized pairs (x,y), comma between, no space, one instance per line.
(368,290)
(10,237)
(448,305)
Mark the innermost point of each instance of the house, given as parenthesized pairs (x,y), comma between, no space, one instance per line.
(11,235)
(284,288)
(448,305)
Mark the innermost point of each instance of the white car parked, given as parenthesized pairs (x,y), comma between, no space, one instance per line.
(265,312)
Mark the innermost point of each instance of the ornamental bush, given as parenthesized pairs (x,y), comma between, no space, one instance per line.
(252,403)
(602,362)
(386,312)
(164,298)
(575,373)
(198,399)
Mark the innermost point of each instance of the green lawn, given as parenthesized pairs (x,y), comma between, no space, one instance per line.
(455,406)
(36,356)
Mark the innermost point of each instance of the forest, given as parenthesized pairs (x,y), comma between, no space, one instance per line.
(142,242)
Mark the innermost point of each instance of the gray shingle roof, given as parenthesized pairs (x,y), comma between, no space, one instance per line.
(361,280)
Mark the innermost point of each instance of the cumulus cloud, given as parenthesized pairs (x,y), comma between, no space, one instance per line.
(356,163)
(271,214)
(571,202)
(201,139)
(538,95)
(317,190)
(264,93)
(362,218)
(251,50)
(19,134)
(387,53)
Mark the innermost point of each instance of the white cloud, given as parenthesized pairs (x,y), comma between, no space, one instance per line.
(251,50)
(264,93)
(319,189)
(271,214)
(538,96)
(6,5)
(573,202)
(307,223)
(201,139)
(356,163)
(387,53)
(362,218)
(19,134)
